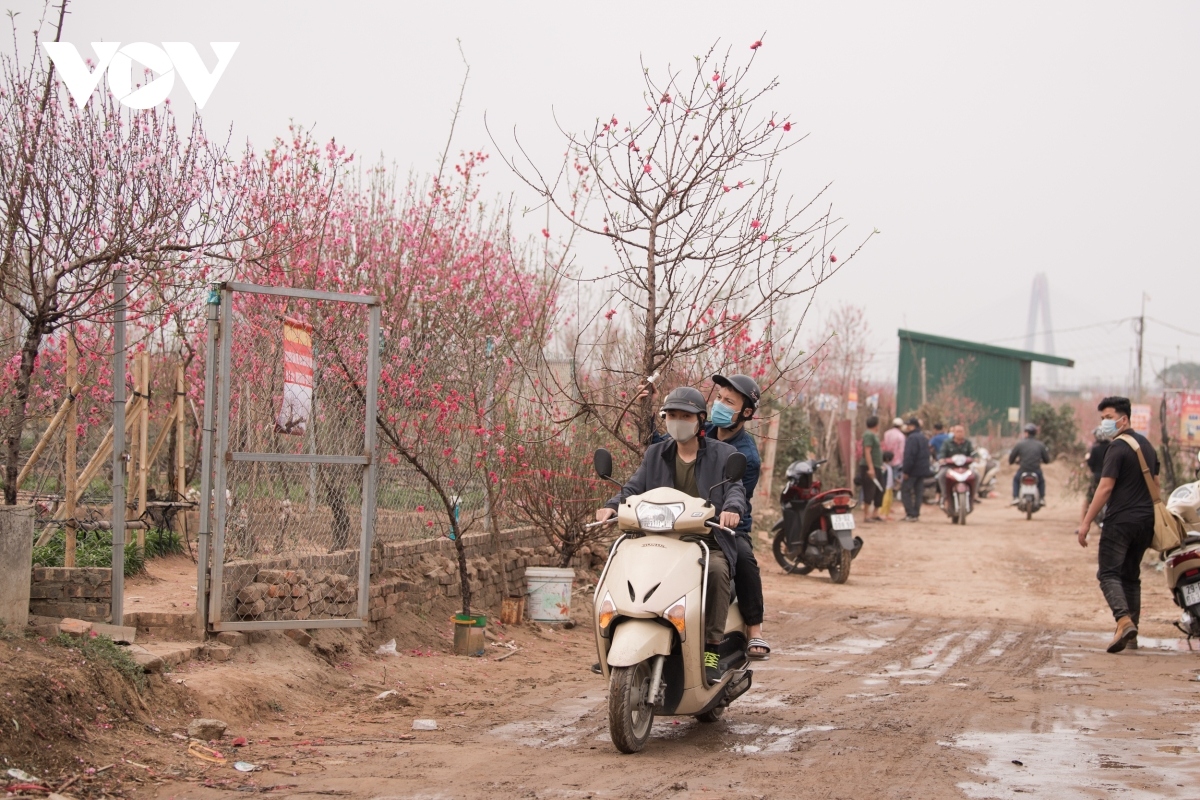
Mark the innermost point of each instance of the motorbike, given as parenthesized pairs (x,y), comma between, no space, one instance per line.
(1028,498)
(930,491)
(986,469)
(1183,563)
(650,610)
(959,483)
(817,529)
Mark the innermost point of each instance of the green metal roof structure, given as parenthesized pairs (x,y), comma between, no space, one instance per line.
(997,378)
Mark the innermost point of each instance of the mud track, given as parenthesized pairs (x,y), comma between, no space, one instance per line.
(955,663)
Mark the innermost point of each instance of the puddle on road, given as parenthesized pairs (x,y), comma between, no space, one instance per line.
(559,729)
(936,659)
(771,739)
(1071,762)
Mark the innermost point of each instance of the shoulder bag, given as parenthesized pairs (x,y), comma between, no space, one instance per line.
(1168,531)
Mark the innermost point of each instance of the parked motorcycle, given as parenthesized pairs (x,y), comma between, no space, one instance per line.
(817,529)
(1183,563)
(959,485)
(650,610)
(1029,499)
(987,469)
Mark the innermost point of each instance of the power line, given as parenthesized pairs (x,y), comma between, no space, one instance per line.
(1173,327)
(1069,330)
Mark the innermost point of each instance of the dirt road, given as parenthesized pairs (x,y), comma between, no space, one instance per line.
(955,663)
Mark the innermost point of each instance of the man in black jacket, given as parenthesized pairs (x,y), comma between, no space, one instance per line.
(1128,520)
(692,463)
(915,467)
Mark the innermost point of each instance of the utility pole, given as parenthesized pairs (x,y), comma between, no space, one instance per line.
(1141,334)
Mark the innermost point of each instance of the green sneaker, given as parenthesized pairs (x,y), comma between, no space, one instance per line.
(712,666)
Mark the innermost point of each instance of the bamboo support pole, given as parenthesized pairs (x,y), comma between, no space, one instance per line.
(93,466)
(143,473)
(56,422)
(71,466)
(180,432)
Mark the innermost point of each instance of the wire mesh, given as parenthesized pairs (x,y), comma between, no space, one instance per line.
(294,378)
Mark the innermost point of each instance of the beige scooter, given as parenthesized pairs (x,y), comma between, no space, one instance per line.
(649,614)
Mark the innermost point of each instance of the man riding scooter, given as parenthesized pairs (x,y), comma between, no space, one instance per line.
(737,400)
(957,444)
(695,464)
(1032,454)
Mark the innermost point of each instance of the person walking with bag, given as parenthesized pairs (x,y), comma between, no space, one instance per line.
(1130,490)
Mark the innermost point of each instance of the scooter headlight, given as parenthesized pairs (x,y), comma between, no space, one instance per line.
(658,517)
(959,460)
(608,610)
(676,614)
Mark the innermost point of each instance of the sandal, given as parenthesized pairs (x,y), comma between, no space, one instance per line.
(761,644)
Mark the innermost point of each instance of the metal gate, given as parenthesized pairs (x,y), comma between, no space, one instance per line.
(288,454)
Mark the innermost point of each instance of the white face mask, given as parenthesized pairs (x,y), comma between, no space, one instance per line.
(682,430)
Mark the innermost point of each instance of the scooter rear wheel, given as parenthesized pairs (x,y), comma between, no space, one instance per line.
(792,566)
(630,717)
(840,571)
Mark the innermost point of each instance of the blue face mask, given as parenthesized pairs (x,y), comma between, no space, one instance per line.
(722,415)
(1108,427)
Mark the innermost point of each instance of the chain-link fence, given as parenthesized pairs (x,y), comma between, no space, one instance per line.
(294,472)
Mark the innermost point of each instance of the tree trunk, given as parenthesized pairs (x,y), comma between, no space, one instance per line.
(645,424)
(19,405)
(461,550)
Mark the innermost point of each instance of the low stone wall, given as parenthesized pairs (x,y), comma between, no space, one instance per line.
(79,592)
(404,575)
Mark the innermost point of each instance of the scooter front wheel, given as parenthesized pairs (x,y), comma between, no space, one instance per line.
(630,714)
(793,566)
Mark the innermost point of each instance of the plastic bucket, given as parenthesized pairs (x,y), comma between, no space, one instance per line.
(549,590)
(468,634)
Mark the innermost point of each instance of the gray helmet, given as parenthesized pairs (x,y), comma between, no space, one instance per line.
(1031,429)
(743,385)
(685,398)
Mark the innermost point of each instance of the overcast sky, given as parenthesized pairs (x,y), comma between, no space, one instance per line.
(988,142)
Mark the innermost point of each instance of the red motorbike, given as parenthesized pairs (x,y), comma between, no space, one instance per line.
(958,487)
(817,529)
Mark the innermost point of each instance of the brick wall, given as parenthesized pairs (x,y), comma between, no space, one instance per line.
(79,592)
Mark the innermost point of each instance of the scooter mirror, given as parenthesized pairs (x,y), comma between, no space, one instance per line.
(735,467)
(602,461)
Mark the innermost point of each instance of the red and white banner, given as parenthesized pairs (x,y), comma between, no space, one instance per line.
(297,377)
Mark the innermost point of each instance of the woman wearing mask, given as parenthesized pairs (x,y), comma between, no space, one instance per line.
(692,463)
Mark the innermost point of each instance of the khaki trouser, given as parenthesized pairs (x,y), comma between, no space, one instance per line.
(888,496)
(717,603)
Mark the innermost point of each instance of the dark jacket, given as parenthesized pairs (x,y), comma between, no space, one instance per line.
(658,470)
(916,455)
(745,445)
(1031,453)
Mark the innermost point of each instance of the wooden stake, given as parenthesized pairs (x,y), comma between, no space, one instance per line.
(143,443)
(768,462)
(71,466)
(51,429)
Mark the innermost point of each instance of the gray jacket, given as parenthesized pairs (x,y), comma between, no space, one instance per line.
(658,470)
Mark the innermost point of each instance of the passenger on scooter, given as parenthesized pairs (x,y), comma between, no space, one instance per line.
(737,400)
(695,464)
(957,444)
(1031,454)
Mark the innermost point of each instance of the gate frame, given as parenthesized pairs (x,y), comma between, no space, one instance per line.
(213,475)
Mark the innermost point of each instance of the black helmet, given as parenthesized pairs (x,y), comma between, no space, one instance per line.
(1031,429)
(743,385)
(685,398)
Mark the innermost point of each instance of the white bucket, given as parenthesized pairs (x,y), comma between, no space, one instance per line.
(549,590)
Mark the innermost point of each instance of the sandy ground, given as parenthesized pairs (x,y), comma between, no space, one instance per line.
(955,663)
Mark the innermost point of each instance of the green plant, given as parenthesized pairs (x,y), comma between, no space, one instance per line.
(795,439)
(104,649)
(93,549)
(1057,429)
(163,542)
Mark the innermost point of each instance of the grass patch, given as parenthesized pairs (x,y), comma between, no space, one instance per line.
(161,542)
(91,550)
(104,649)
